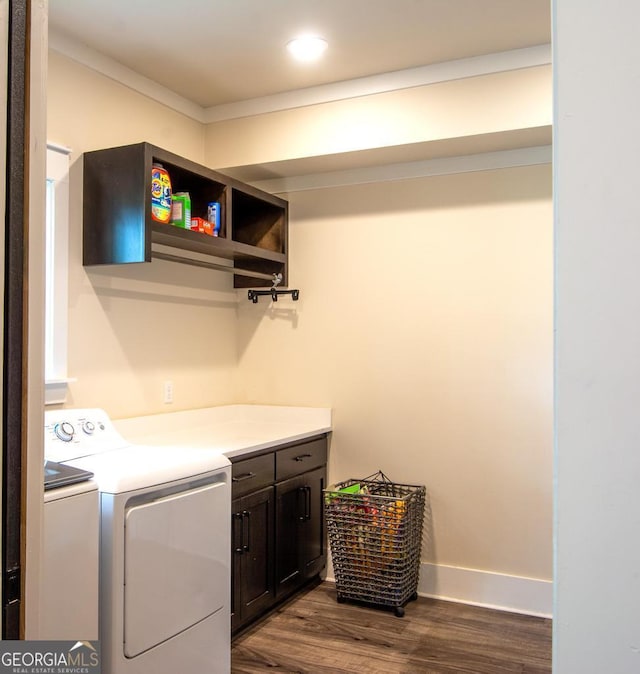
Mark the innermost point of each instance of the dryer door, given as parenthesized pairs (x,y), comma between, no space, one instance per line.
(176,566)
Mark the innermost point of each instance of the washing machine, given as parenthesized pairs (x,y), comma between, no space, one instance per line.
(165,513)
(69,590)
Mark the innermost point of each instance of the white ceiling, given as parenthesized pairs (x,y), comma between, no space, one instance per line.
(215,52)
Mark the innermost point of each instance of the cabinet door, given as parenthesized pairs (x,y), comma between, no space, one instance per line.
(300,536)
(252,582)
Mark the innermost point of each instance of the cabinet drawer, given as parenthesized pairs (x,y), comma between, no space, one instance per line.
(300,458)
(251,474)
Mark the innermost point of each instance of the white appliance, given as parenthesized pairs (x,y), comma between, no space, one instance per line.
(165,516)
(69,591)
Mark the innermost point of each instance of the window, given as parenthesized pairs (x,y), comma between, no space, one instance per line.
(56,293)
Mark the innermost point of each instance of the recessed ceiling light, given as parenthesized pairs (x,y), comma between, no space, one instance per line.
(307,47)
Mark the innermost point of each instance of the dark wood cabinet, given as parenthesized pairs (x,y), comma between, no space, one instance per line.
(118,227)
(252,541)
(278,532)
(301,553)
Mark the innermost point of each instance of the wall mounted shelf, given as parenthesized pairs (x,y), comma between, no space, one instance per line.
(118,228)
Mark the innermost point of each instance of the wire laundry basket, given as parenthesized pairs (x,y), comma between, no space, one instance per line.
(375,536)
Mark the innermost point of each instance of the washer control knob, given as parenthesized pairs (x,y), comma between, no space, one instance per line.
(88,427)
(65,431)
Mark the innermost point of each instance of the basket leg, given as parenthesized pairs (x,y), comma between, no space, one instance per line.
(399,611)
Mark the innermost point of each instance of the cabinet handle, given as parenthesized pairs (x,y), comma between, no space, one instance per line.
(302,457)
(237,517)
(246,517)
(308,502)
(302,507)
(244,476)
(305,493)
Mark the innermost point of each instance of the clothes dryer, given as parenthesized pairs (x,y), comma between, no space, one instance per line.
(165,513)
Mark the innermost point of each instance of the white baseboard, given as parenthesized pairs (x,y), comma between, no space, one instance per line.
(503,592)
(485,588)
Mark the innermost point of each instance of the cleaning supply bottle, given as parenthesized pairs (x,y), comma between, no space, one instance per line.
(160,194)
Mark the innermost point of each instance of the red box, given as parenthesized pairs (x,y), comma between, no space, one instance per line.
(203,226)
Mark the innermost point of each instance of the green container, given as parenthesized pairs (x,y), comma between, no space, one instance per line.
(181,210)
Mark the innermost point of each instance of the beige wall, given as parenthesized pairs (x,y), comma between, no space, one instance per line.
(88,111)
(425,322)
(490,104)
(132,328)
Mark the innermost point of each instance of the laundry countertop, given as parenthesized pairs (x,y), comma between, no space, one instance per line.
(234,430)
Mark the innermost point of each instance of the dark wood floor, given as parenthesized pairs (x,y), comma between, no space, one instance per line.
(313,633)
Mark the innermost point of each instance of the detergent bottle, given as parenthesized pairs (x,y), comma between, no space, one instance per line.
(160,194)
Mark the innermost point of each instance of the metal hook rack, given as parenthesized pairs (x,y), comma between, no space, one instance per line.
(274,291)
(253,295)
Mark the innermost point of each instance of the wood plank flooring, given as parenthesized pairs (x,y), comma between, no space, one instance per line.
(313,633)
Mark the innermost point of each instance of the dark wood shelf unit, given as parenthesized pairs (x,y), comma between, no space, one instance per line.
(118,227)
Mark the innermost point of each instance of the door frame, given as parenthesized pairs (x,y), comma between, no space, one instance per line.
(23,309)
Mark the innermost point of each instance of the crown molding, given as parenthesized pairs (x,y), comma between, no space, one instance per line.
(514,59)
(129,78)
(485,161)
